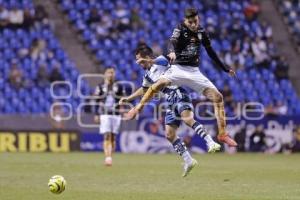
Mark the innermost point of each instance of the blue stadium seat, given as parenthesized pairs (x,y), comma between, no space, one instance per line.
(160,21)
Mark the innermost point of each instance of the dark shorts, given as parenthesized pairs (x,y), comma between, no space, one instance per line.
(173,113)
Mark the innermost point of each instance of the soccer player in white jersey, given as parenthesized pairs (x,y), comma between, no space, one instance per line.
(109,94)
(184,54)
(179,107)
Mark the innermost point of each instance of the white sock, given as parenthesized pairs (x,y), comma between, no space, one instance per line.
(181,149)
(108,158)
(208,139)
(187,157)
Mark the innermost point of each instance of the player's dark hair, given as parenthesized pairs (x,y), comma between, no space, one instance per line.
(141,44)
(190,12)
(110,67)
(144,50)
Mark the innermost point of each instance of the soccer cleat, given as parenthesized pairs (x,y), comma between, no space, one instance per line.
(187,168)
(225,138)
(213,147)
(108,161)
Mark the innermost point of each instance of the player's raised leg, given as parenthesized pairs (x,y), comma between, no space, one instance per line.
(188,117)
(180,148)
(216,97)
(155,88)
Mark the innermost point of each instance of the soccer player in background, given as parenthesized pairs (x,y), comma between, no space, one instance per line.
(184,53)
(179,107)
(109,94)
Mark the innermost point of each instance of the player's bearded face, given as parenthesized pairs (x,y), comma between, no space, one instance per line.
(192,23)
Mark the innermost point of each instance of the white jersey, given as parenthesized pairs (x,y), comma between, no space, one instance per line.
(153,74)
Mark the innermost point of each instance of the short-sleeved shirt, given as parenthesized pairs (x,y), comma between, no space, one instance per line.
(109,98)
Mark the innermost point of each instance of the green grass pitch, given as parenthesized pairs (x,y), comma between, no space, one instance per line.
(24,176)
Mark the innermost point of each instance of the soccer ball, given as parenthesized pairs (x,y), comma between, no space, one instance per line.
(57,184)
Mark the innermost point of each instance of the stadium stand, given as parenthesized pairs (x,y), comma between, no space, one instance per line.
(291,13)
(112,29)
(31,59)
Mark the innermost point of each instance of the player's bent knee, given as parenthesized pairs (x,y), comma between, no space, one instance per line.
(188,120)
(170,136)
(108,136)
(217,97)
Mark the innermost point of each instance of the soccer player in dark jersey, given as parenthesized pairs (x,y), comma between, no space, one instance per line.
(184,52)
(108,116)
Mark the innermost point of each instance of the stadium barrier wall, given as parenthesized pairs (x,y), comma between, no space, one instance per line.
(278,130)
(133,139)
(39,141)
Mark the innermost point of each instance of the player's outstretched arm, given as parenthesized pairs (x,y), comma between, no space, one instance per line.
(213,55)
(139,107)
(139,92)
(156,87)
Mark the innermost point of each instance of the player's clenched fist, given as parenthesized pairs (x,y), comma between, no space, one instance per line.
(232,72)
(123,101)
(172,57)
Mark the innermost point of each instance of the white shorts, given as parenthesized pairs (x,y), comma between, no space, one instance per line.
(110,124)
(188,76)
